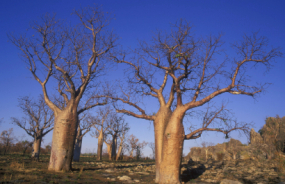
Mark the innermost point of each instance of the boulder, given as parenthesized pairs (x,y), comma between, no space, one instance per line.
(124,178)
(255,138)
(225,181)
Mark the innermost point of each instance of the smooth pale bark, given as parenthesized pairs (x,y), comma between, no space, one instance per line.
(37,148)
(119,151)
(63,139)
(120,147)
(109,150)
(160,124)
(100,145)
(172,149)
(77,145)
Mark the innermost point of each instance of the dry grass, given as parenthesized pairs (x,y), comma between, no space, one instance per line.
(21,169)
(16,165)
(280,161)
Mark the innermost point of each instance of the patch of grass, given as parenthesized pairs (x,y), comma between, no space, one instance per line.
(13,167)
(16,165)
(79,176)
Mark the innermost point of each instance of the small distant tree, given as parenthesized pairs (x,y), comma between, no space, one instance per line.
(206,146)
(139,148)
(132,144)
(152,147)
(102,124)
(118,129)
(135,145)
(233,147)
(123,130)
(48,148)
(23,146)
(7,139)
(38,121)
(84,126)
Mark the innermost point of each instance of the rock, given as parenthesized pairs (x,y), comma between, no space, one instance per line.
(225,181)
(255,138)
(234,142)
(124,178)
(144,173)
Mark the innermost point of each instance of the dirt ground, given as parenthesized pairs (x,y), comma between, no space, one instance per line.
(16,168)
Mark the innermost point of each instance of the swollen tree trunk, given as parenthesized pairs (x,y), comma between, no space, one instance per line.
(77,146)
(172,149)
(120,147)
(37,147)
(109,150)
(114,146)
(160,124)
(100,146)
(64,133)
(131,155)
(119,151)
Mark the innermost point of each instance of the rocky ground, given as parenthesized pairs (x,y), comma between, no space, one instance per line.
(237,171)
(21,170)
(243,171)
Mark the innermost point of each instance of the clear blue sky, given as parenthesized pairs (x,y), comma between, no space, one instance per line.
(137,20)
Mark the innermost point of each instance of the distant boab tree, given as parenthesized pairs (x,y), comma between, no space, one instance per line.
(75,56)
(102,124)
(38,121)
(152,147)
(183,72)
(135,146)
(119,128)
(84,126)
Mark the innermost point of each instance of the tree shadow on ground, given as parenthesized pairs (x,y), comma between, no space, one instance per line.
(193,173)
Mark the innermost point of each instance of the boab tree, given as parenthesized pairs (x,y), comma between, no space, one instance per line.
(197,76)
(118,129)
(135,145)
(102,124)
(74,55)
(152,147)
(84,126)
(206,146)
(38,123)
(121,134)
